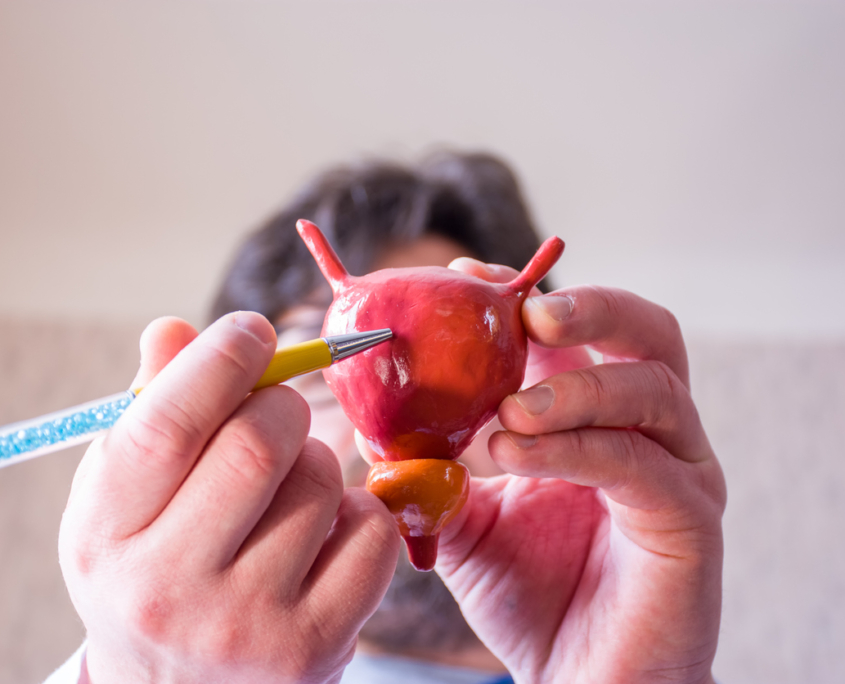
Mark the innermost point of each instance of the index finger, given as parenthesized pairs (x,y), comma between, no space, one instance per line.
(620,325)
(152,448)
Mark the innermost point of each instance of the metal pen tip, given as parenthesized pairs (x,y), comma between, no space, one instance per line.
(342,346)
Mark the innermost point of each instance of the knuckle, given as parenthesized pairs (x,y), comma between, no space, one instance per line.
(325,646)
(307,662)
(638,459)
(160,439)
(83,549)
(317,472)
(611,302)
(164,615)
(628,452)
(579,441)
(665,386)
(150,612)
(711,481)
(376,524)
(77,558)
(593,386)
(663,376)
(579,444)
(670,323)
(226,640)
(248,453)
(230,354)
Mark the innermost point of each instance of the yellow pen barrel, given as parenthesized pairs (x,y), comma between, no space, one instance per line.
(296,360)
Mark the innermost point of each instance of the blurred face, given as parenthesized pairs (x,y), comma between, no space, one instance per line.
(328,422)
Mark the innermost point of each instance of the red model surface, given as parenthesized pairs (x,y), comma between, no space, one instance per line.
(458,349)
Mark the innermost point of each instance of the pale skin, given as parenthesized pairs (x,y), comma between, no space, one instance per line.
(609,568)
(207,538)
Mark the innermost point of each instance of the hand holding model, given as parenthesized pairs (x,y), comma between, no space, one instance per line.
(599,558)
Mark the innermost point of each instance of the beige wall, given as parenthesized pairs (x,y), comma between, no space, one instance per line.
(692,152)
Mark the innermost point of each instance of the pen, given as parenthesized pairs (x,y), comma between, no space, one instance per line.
(78,424)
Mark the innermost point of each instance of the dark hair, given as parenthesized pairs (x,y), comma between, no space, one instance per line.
(472,199)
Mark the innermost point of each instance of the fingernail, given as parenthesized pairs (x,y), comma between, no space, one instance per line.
(555,306)
(522,441)
(535,400)
(256,325)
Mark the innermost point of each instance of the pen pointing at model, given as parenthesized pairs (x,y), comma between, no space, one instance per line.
(78,424)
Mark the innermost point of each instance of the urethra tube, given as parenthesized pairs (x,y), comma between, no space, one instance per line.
(78,424)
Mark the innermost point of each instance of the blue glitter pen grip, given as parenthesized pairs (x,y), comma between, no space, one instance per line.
(62,429)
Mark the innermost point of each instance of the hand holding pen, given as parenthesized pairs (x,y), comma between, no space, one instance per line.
(207,538)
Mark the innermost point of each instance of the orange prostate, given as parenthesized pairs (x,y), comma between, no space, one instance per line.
(422,494)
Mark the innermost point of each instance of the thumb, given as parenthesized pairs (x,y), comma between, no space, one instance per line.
(160,342)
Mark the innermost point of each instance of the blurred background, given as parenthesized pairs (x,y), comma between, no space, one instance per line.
(691,152)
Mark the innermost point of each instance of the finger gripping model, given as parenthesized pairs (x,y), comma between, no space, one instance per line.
(458,349)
